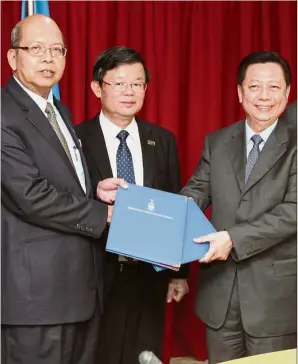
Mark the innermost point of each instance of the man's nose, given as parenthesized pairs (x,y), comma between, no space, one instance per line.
(265,93)
(128,89)
(48,55)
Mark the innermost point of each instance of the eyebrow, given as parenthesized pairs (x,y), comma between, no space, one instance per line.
(53,44)
(255,80)
(139,78)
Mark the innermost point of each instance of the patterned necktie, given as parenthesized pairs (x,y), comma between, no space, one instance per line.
(54,123)
(124,159)
(253,155)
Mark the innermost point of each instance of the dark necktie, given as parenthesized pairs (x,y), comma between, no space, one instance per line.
(253,155)
(54,123)
(124,159)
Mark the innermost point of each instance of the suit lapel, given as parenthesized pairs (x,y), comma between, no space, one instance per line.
(236,151)
(37,118)
(274,148)
(33,114)
(97,146)
(148,150)
(68,123)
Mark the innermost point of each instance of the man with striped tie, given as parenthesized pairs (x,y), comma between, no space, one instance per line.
(247,286)
(51,225)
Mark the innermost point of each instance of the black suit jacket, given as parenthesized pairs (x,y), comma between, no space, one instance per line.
(160,162)
(261,218)
(49,224)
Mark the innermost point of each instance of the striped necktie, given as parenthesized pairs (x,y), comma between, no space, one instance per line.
(54,123)
(253,155)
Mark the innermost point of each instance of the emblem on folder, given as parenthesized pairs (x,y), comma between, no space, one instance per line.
(151,142)
(151,205)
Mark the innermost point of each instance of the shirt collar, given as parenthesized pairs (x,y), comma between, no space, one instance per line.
(265,134)
(113,129)
(40,101)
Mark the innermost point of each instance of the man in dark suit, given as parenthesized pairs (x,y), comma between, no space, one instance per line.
(247,287)
(116,143)
(51,283)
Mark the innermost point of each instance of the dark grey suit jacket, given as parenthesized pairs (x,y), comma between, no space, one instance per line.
(48,222)
(260,217)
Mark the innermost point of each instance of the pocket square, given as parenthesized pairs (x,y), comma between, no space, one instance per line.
(151,142)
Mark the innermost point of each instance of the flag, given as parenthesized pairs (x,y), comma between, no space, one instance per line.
(30,7)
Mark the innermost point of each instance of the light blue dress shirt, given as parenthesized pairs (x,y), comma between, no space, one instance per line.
(265,134)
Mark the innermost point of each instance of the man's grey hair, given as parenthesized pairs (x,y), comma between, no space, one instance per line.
(16,35)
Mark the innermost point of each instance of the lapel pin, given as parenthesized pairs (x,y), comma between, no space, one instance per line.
(151,142)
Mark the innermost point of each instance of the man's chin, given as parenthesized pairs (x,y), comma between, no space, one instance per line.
(47,83)
(128,113)
(266,121)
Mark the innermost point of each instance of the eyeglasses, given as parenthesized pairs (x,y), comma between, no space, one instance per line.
(39,50)
(123,86)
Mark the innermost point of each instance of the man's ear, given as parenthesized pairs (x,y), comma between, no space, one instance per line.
(96,89)
(12,59)
(288,91)
(239,89)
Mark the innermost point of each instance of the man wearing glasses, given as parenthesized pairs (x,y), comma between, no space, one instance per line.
(50,223)
(118,144)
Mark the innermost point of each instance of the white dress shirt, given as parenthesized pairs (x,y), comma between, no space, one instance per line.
(110,132)
(265,134)
(74,152)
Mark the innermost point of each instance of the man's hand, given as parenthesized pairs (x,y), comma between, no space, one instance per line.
(177,289)
(110,213)
(107,189)
(220,246)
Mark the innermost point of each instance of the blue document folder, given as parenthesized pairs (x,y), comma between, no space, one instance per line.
(157,227)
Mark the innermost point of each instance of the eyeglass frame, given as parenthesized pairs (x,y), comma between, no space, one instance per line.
(113,84)
(45,49)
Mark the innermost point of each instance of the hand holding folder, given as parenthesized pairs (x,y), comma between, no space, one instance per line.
(157,227)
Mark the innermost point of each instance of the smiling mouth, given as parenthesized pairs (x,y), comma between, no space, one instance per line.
(47,73)
(264,107)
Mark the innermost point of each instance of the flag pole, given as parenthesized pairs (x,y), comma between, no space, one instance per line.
(30,7)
